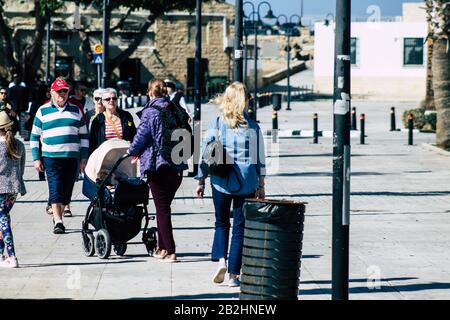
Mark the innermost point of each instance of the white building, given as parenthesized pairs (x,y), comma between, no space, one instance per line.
(388,58)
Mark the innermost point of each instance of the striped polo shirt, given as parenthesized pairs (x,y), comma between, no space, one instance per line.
(62,132)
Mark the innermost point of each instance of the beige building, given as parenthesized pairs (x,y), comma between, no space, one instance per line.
(167,51)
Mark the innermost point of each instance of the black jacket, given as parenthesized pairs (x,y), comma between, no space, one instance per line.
(97,132)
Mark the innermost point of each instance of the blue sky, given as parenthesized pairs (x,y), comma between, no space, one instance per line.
(322,7)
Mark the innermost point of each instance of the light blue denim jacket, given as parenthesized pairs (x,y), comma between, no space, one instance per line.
(246,147)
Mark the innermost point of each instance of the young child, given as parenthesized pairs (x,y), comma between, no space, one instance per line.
(12,165)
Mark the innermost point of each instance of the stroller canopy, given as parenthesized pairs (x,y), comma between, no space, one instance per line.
(105,156)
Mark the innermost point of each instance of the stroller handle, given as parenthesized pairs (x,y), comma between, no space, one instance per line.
(114,168)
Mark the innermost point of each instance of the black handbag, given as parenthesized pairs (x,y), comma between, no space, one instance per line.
(215,159)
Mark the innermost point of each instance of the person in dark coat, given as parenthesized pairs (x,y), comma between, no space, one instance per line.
(164,177)
(112,123)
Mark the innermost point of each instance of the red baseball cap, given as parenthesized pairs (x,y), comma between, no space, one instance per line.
(59,84)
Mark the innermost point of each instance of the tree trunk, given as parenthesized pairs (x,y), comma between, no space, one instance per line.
(33,56)
(441,86)
(429,94)
(8,51)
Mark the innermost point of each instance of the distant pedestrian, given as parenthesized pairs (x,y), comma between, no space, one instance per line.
(177,97)
(113,123)
(164,177)
(65,147)
(12,166)
(18,94)
(81,98)
(98,107)
(242,140)
(6,105)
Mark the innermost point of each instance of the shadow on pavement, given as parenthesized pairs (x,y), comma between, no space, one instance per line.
(195,297)
(45,265)
(396,288)
(357,280)
(323,174)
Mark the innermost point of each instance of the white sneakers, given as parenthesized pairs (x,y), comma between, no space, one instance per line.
(234,282)
(219,276)
(10,262)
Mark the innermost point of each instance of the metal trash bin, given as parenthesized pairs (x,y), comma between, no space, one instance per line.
(272,250)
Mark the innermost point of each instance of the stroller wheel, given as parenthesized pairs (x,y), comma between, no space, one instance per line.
(103,244)
(88,243)
(120,249)
(150,241)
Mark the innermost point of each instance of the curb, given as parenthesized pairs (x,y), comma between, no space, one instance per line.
(432,147)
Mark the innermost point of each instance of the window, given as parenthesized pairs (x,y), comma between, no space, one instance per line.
(354,48)
(413,51)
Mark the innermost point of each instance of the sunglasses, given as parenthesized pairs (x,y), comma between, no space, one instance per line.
(2,92)
(62,91)
(97,98)
(82,90)
(109,99)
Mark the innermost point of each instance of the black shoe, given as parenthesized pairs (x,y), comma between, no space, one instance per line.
(59,228)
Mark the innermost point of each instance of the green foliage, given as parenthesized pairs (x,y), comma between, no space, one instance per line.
(424,121)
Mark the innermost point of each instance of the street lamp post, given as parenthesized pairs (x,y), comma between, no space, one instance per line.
(289,26)
(341,152)
(238,41)
(47,47)
(256,21)
(105,42)
(245,56)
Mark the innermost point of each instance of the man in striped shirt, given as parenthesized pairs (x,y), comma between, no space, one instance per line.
(60,127)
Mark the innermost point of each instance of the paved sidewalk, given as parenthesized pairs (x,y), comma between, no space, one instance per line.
(400,226)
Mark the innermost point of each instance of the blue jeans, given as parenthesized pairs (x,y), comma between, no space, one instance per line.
(222,205)
(61,176)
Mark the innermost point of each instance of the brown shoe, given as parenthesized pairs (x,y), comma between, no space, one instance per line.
(169,258)
(67,213)
(49,210)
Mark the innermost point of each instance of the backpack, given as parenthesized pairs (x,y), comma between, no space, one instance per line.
(173,118)
(216,161)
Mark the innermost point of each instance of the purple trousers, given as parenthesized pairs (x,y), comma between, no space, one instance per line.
(163,184)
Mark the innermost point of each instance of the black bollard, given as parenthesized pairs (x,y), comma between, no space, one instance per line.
(362,118)
(410,129)
(126,102)
(274,126)
(316,129)
(120,103)
(354,118)
(132,101)
(139,100)
(393,119)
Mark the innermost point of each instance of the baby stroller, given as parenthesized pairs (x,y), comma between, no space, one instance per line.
(118,202)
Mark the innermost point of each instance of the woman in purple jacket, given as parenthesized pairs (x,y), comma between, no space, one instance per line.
(164,177)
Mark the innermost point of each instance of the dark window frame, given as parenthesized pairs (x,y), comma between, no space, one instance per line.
(417,60)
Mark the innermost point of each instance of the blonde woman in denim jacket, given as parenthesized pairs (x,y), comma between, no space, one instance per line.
(242,139)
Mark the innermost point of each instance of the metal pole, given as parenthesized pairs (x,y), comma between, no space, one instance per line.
(289,71)
(341,153)
(362,138)
(47,47)
(197,85)
(393,119)
(255,72)
(410,129)
(99,75)
(354,127)
(238,52)
(316,128)
(246,59)
(105,42)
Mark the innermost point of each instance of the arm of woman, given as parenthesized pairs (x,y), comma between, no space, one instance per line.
(143,135)
(93,135)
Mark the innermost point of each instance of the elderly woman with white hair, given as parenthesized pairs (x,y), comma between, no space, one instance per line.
(110,122)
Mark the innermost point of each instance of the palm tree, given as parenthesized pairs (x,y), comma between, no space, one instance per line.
(438,17)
